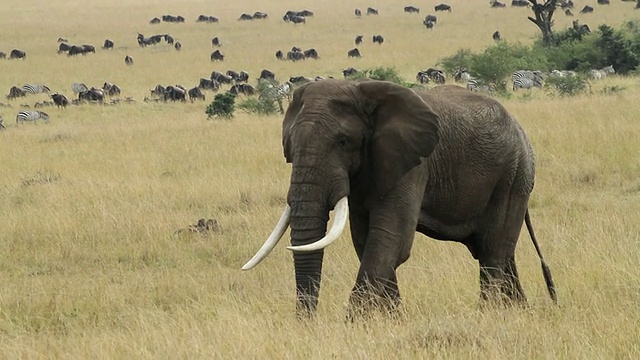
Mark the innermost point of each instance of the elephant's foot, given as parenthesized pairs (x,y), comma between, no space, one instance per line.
(501,286)
(382,295)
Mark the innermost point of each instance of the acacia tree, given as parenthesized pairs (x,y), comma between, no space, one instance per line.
(543,20)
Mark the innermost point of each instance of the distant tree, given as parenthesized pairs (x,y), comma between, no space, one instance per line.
(544,18)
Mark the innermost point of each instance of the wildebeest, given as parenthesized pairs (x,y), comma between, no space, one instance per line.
(60,39)
(267,75)
(60,100)
(157,91)
(75,50)
(496,36)
(311,53)
(155,20)
(207,19)
(568,12)
(221,78)
(354,53)
(3,55)
(429,24)
(217,56)
(246,17)
(16,92)
(175,93)
(215,41)
(295,55)
(279,55)
(195,94)
(520,3)
(168,38)
(209,84)
(603,2)
(431,18)
(586,10)
(243,76)
(111,89)
(565,4)
(177,45)
(411,9)
(17,54)
(128,60)
(108,44)
(298,19)
(299,80)
(358,40)
(63,47)
(93,94)
(497,4)
(245,89)
(357,12)
(378,39)
(349,71)
(260,15)
(442,7)
(87,48)
(234,74)
(372,11)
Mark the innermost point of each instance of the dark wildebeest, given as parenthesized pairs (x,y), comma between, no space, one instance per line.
(299,80)
(221,78)
(305,13)
(128,60)
(108,44)
(246,17)
(17,54)
(564,4)
(354,53)
(603,2)
(207,19)
(75,50)
(431,18)
(3,55)
(349,71)
(154,21)
(357,12)
(180,19)
(93,94)
(243,76)
(295,55)
(168,38)
(568,12)
(497,4)
(245,89)
(279,55)
(442,7)
(260,15)
(358,40)
(63,47)
(372,11)
(175,93)
(520,3)
(157,91)
(411,9)
(267,75)
(295,48)
(60,39)
(234,74)
(86,48)
(378,39)
(195,94)
(496,36)
(298,19)
(60,100)
(429,24)
(217,56)
(311,53)
(16,92)
(209,84)
(111,89)
(586,10)
(215,41)
(177,45)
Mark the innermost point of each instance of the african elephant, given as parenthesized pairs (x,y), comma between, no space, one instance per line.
(448,163)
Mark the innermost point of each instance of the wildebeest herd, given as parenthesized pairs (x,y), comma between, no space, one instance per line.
(237,81)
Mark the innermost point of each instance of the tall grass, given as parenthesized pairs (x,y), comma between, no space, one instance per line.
(90,265)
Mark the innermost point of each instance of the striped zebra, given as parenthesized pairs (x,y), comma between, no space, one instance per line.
(2,123)
(35,89)
(598,74)
(79,87)
(271,91)
(476,85)
(28,115)
(526,83)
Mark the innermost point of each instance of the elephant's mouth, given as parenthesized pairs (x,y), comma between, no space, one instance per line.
(341,214)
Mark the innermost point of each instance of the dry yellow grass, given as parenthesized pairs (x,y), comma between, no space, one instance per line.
(89,267)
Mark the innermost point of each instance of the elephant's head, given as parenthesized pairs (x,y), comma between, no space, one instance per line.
(344,139)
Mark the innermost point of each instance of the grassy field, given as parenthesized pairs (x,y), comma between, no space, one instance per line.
(89,203)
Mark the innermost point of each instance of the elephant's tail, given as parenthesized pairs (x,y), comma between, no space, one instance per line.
(545,269)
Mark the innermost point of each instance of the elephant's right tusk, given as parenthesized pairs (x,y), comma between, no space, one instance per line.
(342,213)
(271,242)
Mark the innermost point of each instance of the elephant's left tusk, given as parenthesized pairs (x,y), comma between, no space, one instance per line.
(271,242)
(342,213)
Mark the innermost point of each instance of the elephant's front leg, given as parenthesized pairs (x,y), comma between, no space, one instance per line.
(392,225)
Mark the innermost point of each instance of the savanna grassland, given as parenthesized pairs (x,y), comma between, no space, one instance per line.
(89,203)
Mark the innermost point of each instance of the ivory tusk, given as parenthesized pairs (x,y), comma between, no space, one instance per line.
(271,242)
(342,213)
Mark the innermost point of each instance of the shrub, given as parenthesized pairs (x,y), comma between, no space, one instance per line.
(222,105)
(567,86)
(261,105)
(380,73)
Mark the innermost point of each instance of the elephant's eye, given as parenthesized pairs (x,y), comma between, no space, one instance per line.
(343,141)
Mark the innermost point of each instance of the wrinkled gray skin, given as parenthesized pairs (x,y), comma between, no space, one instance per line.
(449,163)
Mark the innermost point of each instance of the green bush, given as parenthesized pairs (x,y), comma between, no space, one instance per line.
(567,86)
(381,73)
(461,59)
(222,105)
(261,105)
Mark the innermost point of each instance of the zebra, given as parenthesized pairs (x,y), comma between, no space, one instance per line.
(462,75)
(35,89)
(535,76)
(2,127)
(271,91)
(526,83)
(28,115)
(79,87)
(601,73)
(476,85)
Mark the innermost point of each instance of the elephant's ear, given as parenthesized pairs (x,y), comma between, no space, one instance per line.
(289,120)
(405,129)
